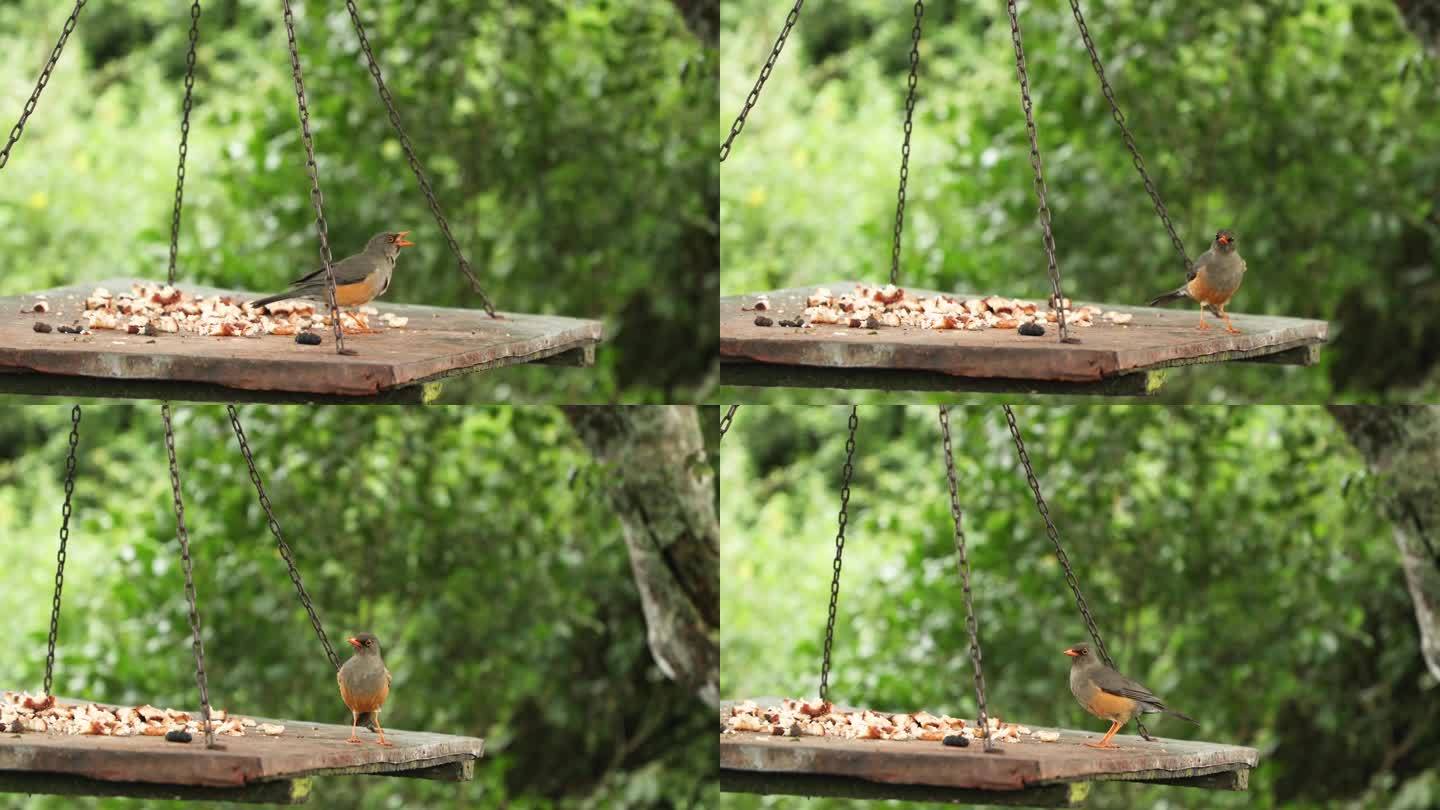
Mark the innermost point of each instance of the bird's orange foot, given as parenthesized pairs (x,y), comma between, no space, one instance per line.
(1203,327)
(1232,330)
(1100,745)
(355,740)
(386,743)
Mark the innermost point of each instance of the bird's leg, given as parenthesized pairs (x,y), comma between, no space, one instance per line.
(354,720)
(1105,741)
(1203,325)
(1229,327)
(381,729)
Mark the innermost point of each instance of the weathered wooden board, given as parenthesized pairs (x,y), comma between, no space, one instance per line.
(1015,766)
(437,342)
(1154,339)
(304,750)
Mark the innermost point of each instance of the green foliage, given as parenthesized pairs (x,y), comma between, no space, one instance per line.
(1233,559)
(476,543)
(1310,128)
(563,141)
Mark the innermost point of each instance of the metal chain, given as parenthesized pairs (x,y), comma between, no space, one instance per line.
(19,128)
(415,162)
(754,97)
(905,145)
(184,536)
(845,474)
(64,540)
(1057,298)
(285,552)
(316,197)
(962,561)
(727,419)
(184,136)
(1125,134)
(1059,551)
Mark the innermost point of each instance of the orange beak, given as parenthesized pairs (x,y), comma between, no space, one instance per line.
(401,241)
(353,642)
(1071,652)
(1223,239)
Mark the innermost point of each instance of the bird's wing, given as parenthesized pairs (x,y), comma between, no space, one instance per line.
(1116,684)
(1199,263)
(387,678)
(347,271)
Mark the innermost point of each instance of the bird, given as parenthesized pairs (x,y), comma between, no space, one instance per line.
(359,279)
(1109,695)
(364,683)
(1212,280)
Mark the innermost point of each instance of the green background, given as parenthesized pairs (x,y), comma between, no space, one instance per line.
(1310,128)
(566,142)
(476,543)
(1232,559)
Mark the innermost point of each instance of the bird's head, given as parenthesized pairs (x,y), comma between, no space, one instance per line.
(1081,654)
(389,242)
(1224,241)
(364,644)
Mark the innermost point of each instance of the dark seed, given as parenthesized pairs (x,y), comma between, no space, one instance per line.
(178,736)
(794,729)
(15,727)
(69,330)
(149,330)
(957,740)
(308,339)
(1032,329)
(42,327)
(872,323)
(761,320)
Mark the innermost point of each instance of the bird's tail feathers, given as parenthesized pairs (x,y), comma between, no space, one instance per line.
(1187,718)
(260,302)
(1174,295)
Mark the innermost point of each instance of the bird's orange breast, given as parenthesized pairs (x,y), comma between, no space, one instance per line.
(364,702)
(353,295)
(1112,707)
(1205,293)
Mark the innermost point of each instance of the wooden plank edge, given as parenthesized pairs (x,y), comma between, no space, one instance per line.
(773,375)
(278,791)
(1230,776)
(24,382)
(437,768)
(1298,352)
(1066,794)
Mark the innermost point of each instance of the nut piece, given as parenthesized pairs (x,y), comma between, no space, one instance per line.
(272,730)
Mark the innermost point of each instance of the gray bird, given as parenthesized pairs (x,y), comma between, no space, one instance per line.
(1212,280)
(359,279)
(1109,695)
(364,683)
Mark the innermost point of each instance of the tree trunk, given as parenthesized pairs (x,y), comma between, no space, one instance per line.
(661,485)
(1401,445)
(702,17)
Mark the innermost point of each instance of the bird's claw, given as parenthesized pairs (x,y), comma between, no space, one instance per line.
(1232,330)
(386,743)
(1100,745)
(355,741)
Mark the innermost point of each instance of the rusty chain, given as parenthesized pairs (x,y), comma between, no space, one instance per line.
(1060,551)
(184,136)
(905,144)
(844,519)
(415,161)
(317,198)
(285,552)
(19,128)
(1057,297)
(962,561)
(60,555)
(184,537)
(1128,138)
(754,97)
(727,419)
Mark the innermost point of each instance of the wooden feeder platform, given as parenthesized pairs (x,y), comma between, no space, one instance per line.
(1029,773)
(397,365)
(1124,360)
(253,768)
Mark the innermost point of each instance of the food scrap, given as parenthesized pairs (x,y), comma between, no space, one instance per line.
(868,307)
(151,309)
(817,718)
(22,712)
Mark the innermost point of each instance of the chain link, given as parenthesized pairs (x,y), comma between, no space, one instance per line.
(962,561)
(754,97)
(184,136)
(184,537)
(19,128)
(1059,551)
(727,419)
(317,198)
(905,145)
(1057,298)
(415,161)
(285,552)
(1128,138)
(60,556)
(845,474)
